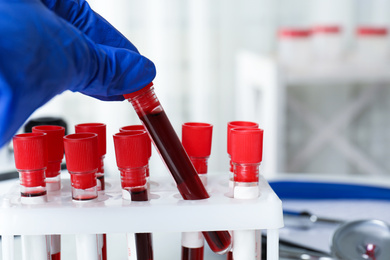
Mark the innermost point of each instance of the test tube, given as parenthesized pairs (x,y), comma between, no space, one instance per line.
(327,43)
(81,153)
(152,115)
(294,48)
(100,130)
(372,46)
(247,151)
(132,159)
(31,161)
(196,140)
(148,144)
(55,146)
(230,126)
(82,161)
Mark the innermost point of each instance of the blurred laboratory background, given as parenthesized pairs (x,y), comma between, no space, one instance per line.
(314,74)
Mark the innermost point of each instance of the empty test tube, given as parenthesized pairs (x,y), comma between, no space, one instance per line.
(246,151)
(152,115)
(196,140)
(82,161)
(132,155)
(31,162)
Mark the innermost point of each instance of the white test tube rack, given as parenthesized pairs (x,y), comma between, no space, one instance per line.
(219,212)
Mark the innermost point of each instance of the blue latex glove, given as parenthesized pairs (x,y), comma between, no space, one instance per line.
(49,46)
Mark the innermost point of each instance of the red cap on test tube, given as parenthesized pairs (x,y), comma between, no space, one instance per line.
(30,152)
(82,159)
(55,146)
(237,124)
(55,143)
(100,130)
(132,157)
(247,153)
(371,31)
(97,128)
(294,33)
(131,128)
(196,140)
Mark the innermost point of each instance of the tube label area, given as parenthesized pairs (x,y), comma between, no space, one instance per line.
(131,247)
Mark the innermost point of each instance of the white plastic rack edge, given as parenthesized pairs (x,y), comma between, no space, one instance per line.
(165,212)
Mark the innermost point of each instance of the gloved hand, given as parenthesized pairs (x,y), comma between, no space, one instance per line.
(49,46)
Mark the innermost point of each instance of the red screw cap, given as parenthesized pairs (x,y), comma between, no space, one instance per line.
(326,29)
(247,145)
(371,31)
(294,33)
(197,138)
(55,141)
(97,128)
(131,128)
(30,151)
(237,124)
(130,149)
(81,152)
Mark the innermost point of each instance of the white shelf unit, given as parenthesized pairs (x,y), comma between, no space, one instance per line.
(165,212)
(261,91)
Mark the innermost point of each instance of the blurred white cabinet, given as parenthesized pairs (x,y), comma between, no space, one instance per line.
(261,96)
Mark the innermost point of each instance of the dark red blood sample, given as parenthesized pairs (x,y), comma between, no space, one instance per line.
(229,255)
(191,253)
(37,194)
(104,248)
(101,179)
(143,241)
(139,194)
(56,256)
(174,155)
(219,241)
(182,170)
